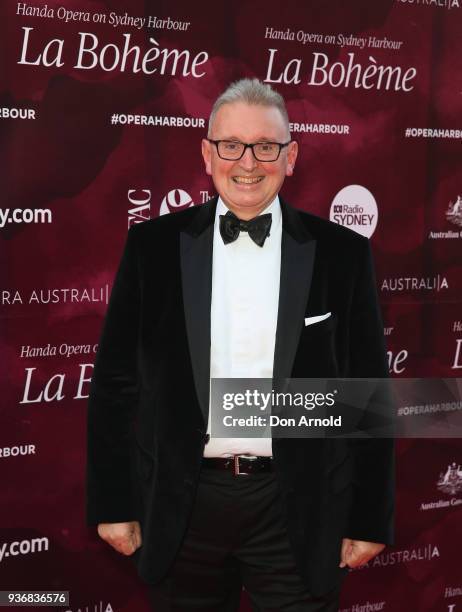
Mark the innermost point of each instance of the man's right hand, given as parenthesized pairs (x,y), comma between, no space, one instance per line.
(123,537)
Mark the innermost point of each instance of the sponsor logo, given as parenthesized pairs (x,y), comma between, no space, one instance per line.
(447,4)
(65,295)
(175,200)
(355,207)
(450,483)
(204,196)
(453,215)
(454,212)
(415,283)
(448,234)
(139,202)
(408,555)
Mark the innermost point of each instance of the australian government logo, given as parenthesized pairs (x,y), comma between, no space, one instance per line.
(454,212)
(449,483)
(453,216)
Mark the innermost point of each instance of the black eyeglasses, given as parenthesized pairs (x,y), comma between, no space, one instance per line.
(232,150)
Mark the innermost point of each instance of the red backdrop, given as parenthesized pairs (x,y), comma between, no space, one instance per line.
(103,107)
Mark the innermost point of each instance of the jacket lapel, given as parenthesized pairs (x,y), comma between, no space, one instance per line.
(196,251)
(297,261)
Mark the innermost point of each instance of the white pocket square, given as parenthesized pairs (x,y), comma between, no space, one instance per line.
(317,319)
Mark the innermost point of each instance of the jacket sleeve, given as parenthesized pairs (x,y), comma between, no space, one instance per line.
(372,512)
(114,397)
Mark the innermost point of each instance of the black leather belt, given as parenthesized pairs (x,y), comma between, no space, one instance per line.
(240,465)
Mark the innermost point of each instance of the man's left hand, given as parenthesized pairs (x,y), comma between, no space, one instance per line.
(356,552)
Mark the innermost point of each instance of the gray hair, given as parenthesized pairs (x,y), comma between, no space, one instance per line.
(250,91)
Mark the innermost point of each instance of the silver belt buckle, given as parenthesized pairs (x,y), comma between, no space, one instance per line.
(237,471)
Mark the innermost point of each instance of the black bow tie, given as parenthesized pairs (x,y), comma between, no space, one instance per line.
(258,227)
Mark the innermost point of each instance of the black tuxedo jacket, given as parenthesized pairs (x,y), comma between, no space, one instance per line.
(148,404)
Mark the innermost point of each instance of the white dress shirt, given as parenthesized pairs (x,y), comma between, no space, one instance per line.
(244,308)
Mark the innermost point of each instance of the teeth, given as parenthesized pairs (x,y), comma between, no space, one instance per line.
(247,180)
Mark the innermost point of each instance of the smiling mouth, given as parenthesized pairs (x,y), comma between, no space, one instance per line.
(247,180)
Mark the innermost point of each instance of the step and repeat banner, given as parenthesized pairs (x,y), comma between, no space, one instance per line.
(103,105)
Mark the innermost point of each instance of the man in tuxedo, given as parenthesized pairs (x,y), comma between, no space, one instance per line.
(223,290)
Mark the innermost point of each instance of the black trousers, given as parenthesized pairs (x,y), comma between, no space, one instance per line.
(236,538)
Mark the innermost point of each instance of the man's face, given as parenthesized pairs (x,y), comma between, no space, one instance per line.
(247,186)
